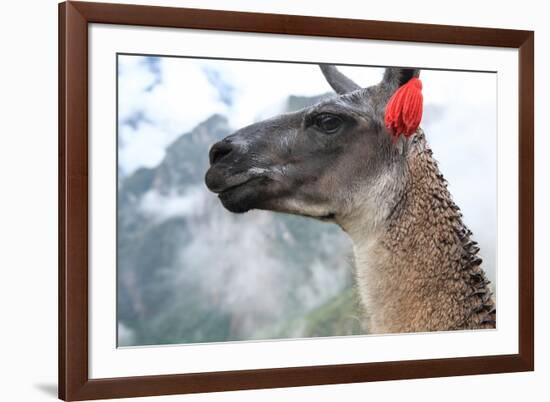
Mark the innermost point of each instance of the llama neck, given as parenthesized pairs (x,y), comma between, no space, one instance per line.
(419,271)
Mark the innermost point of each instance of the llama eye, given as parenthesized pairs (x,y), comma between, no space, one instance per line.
(328,123)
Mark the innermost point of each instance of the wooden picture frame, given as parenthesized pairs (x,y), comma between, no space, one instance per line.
(74,381)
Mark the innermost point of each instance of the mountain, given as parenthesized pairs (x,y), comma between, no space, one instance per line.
(190,271)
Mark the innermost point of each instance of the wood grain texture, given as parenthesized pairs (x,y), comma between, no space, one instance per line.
(526,201)
(74,382)
(298,25)
(73,202)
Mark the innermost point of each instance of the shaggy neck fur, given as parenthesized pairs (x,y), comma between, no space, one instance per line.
(419,270)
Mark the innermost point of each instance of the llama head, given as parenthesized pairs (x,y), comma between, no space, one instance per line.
(334,160)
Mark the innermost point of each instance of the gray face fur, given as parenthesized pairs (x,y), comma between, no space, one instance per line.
(331,161)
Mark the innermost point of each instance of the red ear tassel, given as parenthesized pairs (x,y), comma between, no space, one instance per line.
(404,109)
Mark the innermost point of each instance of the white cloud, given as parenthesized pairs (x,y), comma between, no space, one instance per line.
(183,97)
(154,109)
(162,207)
(142,146)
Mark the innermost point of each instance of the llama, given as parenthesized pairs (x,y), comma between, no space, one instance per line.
(416,266)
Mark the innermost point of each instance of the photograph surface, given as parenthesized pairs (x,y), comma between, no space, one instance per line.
(272,200)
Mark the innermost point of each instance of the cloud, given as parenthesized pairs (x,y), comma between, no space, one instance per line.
(162,98)
(158,104)
(162,207)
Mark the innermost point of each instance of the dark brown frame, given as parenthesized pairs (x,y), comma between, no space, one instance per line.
(74,17)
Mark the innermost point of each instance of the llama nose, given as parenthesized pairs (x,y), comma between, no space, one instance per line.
(219,150)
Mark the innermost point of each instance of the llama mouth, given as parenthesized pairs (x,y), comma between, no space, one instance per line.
(327,217)
(218,181)
(230,189)
(244,196)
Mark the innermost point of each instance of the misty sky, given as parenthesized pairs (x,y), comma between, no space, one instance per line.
(161,98)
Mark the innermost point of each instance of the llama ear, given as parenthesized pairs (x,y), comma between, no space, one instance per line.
(338,81)
(395,77)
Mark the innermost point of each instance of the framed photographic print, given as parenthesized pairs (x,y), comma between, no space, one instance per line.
(259,200)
